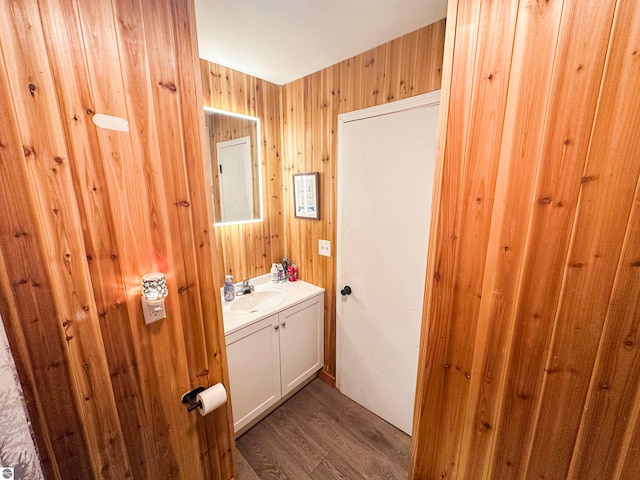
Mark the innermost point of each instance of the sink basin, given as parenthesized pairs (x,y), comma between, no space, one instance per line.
(258,300)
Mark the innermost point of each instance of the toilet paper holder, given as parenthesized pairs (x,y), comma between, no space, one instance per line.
(189,399)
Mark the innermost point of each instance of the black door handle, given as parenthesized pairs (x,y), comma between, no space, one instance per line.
(346,291)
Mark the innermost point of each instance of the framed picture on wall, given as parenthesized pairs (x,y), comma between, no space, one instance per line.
(306,196)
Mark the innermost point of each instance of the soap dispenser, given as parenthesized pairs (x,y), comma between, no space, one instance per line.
(274,274)
(229,289)
(282,276)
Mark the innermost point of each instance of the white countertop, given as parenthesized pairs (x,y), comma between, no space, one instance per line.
(297,292)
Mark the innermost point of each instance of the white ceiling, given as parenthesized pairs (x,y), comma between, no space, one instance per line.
(283,40)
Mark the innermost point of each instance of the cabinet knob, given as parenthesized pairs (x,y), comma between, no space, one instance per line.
(346,291)
(277,327)
(284,324)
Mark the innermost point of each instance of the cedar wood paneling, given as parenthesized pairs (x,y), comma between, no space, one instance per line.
(85,212)
(248,250)
(529,358)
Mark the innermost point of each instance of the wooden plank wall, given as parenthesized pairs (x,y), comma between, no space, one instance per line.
(529,361)
(249,249)
(410,65)
(84,213)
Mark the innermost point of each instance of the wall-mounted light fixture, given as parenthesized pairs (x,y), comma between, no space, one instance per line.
(154,291)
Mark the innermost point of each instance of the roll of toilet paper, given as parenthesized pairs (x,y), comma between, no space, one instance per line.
(212,398)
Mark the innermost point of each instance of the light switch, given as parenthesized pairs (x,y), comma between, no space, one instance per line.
(324,248)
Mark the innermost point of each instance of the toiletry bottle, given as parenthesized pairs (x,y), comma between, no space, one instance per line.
(293,272)
(285,266)
(282,276)
(274,273)
(229,289)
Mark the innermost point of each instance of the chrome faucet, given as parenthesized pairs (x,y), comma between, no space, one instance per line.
(246,288)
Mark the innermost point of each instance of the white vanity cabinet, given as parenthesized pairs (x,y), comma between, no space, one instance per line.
(253,356)
(301,342)
(272,358)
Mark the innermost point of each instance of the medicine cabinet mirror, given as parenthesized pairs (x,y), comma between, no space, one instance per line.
(235,173)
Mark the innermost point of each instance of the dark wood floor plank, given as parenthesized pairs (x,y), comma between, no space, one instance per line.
(361,422)
(267,460)
(335,468)
(321,434)
(243,469)
(308,450)
(360,426)
(363,457)
(295,452)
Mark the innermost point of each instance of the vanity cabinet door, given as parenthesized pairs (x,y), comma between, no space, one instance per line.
(301,342)
(253,356)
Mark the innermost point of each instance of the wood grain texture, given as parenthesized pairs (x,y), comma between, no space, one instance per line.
(565,144)
(29,311)
(607,185)
(468,240)
(88,212)
(422,454)
(48,173)
(243,469)
(248,250)
(94,204)
(219,424)
(551,358)
(407,66)
(599,237)
(565,138)
(434,364)
(526,106)
(321,434)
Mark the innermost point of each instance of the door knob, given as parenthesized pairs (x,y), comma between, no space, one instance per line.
(346,291)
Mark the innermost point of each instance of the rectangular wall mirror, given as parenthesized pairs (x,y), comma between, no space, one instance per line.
(235,159)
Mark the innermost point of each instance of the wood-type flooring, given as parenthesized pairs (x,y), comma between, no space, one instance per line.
(321,434)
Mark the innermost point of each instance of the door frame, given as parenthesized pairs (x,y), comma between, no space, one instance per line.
(417,101)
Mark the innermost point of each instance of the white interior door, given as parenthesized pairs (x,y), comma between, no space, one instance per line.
(385,180)
(236,188)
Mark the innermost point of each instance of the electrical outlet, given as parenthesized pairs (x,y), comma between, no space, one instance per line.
(324,248)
